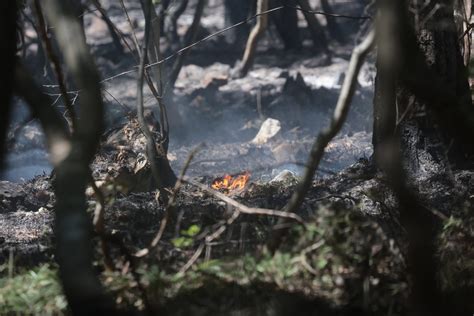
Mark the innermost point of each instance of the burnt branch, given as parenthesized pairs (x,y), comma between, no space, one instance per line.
(337,121)
(317,151)
(175,12)
(52,123)
(56,65)
(243,208)
(170,206)
(252,41)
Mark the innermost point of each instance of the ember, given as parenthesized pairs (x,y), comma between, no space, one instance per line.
(229,183)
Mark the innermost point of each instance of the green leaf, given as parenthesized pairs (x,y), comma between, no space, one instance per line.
(322,263)
(192,231)
(182,242)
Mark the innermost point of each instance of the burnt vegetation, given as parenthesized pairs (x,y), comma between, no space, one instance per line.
(236,157)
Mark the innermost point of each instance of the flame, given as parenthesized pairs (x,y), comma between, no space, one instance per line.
(230,183)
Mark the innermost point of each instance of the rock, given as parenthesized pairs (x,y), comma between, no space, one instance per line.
(214,80)
(269,129)
(284,176)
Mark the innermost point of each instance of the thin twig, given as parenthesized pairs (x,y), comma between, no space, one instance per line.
(193,259)
(172,201)
(334,15)
(173,55)
(71,113)
(169,206)
(133,268)
(125,11)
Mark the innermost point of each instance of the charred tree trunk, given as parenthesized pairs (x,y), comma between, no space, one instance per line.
(333,28)
(463,14)
(286,22)
(420,97)
(110,26)
(320,41)
(157,147)
(189,38)
(235,12)
(432,115)
(172,26)
(77,10)
(439,43)
(8,31)
(416,220)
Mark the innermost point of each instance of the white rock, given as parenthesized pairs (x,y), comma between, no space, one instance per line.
(284,176)
(269,129)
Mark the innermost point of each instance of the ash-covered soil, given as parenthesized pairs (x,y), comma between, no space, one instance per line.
(27,212)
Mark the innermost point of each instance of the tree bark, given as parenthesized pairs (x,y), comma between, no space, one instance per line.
(71,159)
(235,12)
(333,28)
(320,41)
(172,26)
(432,115)
(8,29)
(286,22)
(417,221)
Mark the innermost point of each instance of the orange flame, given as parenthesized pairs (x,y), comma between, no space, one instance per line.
(230,183)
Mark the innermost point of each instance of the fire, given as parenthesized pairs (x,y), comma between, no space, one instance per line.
(229,183)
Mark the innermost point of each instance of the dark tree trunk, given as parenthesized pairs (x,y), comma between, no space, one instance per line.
(235,12)
(172,24)
(8,16)
(421,95)
(320,41)
(333,27)
(286,22)
(433,109)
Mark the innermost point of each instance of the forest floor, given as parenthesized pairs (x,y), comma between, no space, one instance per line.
(349,257)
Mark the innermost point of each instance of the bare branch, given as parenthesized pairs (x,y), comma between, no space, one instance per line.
(337,121)
(325,136)
(56,65)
